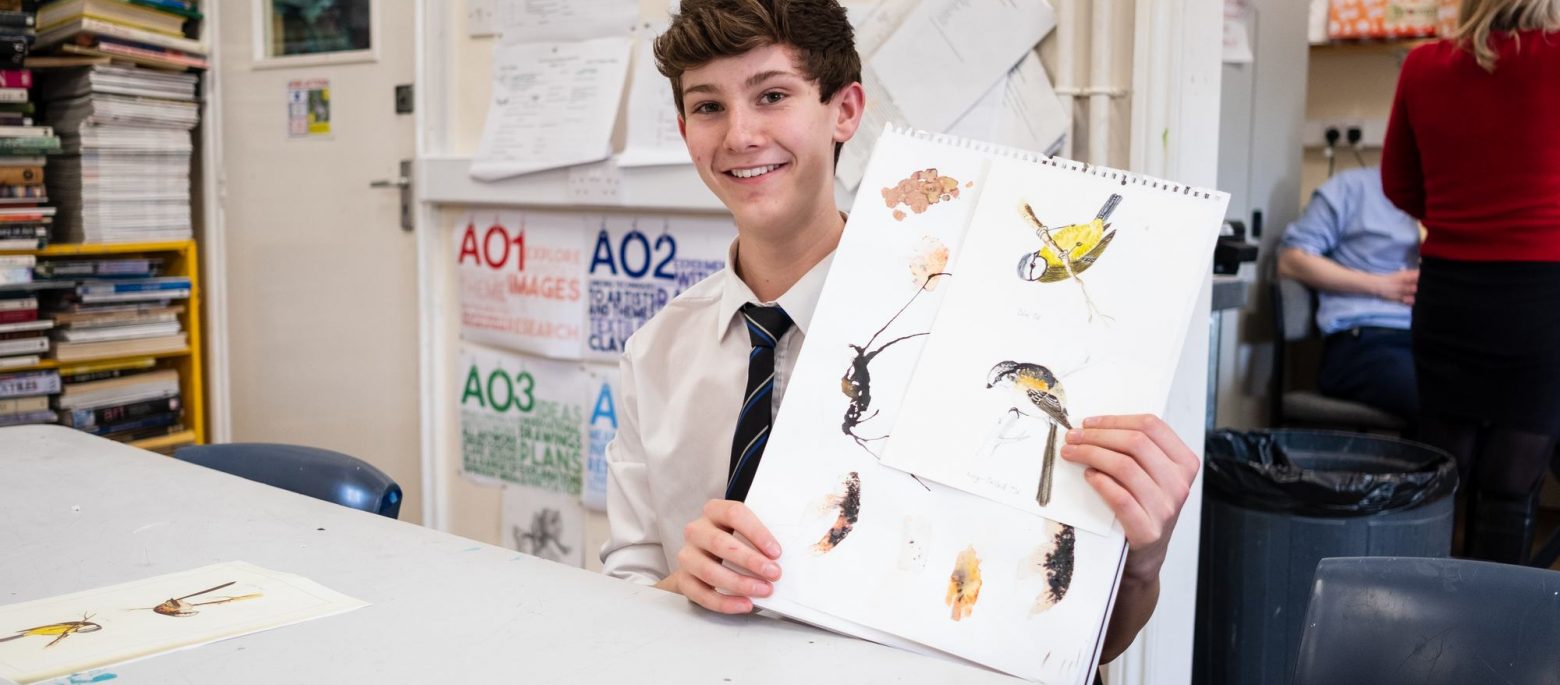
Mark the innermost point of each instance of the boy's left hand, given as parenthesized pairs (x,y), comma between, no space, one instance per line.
(1145,472)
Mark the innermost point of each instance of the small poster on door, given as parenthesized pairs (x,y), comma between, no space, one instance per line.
(308,108)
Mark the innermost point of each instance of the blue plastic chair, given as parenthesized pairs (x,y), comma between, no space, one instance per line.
(318,473)
(1390,620)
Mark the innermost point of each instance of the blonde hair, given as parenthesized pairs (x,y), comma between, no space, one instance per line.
(1477,19)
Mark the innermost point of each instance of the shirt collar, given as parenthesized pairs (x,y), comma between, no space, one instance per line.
(798,302)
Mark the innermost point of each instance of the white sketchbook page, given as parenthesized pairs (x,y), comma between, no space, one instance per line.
(554,105)
(130,630)
(652,137)
(948,53)
(1021,111)
(544,524)
(528,300)
(1117,358)
(535,21)
(891,573)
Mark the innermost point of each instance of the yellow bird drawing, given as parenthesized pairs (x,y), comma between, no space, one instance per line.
(1067,252)
(59,631)
(1036,387)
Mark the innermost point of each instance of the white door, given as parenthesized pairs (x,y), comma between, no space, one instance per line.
(321,280)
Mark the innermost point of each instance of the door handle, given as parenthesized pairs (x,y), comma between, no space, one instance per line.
(404,183)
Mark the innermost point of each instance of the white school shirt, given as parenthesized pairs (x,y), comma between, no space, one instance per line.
(684,376)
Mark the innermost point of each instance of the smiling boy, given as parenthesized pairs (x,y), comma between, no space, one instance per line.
(767,91)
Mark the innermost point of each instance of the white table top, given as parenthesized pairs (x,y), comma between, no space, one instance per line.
(78,512)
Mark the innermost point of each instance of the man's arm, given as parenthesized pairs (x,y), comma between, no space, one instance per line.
(1145,473)
(1322,273)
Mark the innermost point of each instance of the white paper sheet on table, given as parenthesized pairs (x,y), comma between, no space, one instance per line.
(891,572)
(1021,111)
(653,137)
(948,53)
(553,105)
(536,21)
(127,628)
(1108,336)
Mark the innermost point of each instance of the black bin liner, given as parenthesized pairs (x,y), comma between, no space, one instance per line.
(1325,473)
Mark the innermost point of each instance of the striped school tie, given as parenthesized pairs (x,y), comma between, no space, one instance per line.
(765,325)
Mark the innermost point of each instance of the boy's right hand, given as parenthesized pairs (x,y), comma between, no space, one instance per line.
(713,539)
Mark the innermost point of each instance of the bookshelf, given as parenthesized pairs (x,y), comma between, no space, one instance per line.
(181,258)
(1386,46)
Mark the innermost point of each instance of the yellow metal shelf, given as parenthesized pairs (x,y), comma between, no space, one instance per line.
(74,249)
(55,364)
(184,260)
(164,440)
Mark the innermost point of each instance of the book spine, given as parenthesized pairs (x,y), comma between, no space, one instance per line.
(110,29)
(157,421)
(16,18)
(27,146)
(131,287)
(13,94)
(21,405)
(14,303)
(16,78)
(24,345)
(21,175)
(10,191)
(34,383)
(18,315)
(122,413)
(13,50)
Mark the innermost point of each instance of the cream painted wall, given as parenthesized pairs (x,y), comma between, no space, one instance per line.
(1346,84)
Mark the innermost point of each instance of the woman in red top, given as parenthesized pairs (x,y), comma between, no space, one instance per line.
(1473,151)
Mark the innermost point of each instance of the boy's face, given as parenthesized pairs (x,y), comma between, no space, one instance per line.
(761,139)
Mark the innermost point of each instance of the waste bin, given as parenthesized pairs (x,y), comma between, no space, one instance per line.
(1275,504)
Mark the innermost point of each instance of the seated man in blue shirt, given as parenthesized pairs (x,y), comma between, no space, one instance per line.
(1361,254)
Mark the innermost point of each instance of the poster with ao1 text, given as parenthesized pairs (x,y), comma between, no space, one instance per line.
(520,277)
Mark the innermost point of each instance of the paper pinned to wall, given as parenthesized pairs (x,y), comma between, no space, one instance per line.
(535,21)
(520,277)
(638,264)
(520,419)
(554,105)
(601,426)
(544,524)
(93,628)
(948,53)
(653,137)
(1022,111)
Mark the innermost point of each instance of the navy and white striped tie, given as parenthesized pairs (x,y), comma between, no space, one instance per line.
(765,325)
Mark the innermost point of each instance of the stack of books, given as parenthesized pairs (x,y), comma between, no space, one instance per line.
(24,397)
(24,221)
(116,308)
(145,32)
(124,400)
(124,171)
(24,338)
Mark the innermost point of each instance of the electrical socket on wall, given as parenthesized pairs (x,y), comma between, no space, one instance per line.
(1370,132)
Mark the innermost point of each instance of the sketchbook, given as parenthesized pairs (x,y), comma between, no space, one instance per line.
(877,551)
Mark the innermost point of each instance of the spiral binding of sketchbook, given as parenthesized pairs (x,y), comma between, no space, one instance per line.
(926,407)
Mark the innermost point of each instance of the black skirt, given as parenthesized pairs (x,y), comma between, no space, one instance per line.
(1487,343)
